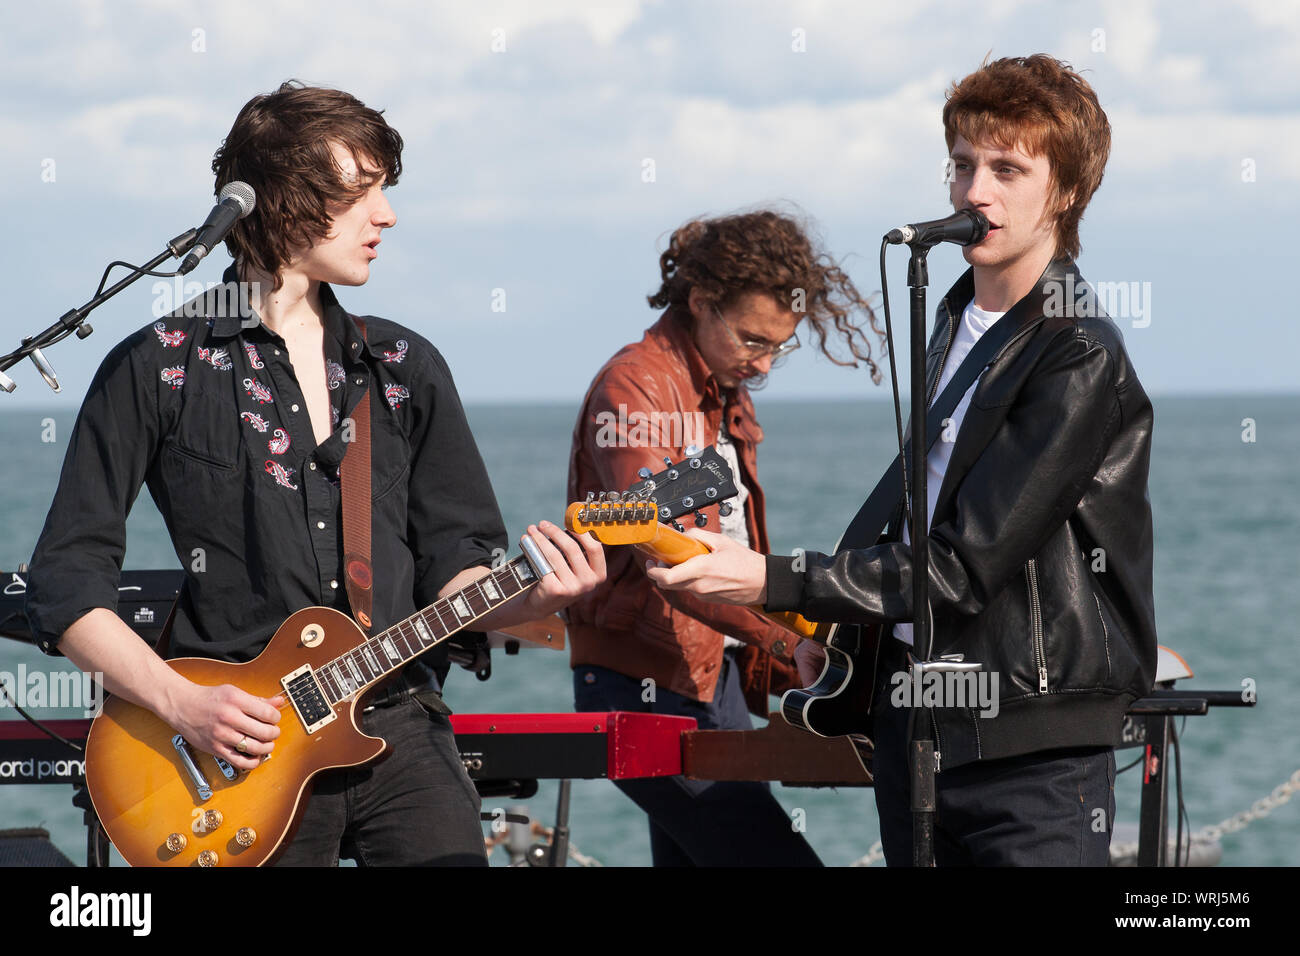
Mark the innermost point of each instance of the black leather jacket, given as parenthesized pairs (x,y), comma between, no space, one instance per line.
(1041,539)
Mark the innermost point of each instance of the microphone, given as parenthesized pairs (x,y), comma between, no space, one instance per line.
(236,201)
(964,227)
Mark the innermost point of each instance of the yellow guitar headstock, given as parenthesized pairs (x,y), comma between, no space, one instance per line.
(632,517)
(614,521)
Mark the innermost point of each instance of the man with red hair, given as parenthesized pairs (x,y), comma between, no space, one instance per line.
(1040,537)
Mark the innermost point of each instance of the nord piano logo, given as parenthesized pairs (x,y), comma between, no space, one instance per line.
(35,771)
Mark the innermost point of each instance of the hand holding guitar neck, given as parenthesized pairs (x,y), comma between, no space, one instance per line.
(837,703)
(722,571)
(634,516)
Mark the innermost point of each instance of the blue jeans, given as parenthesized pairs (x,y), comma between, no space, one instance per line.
(698,822)
(416,807)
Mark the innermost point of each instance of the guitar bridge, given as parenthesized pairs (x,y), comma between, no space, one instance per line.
(304,692)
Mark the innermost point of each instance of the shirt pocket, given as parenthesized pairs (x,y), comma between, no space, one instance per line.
(206,434)
(196,457)
(390,456)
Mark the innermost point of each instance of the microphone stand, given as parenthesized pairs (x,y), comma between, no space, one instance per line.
(74,320)
(920,747)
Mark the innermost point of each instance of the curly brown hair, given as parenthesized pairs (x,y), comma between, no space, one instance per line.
(766,252)
(1043,106)
(280,145)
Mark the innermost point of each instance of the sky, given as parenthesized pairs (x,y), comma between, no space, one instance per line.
(552,147)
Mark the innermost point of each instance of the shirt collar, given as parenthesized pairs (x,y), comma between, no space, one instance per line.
(337,321)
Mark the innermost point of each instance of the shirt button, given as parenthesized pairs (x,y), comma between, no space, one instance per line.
(361,381)
(312,465)
(277,351)
(321,525)
(293,408)
(334,584)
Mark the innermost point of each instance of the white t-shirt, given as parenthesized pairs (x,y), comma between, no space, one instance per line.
(974,323)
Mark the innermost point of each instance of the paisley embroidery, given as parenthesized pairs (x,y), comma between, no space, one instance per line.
(334,374)
(281,474)
(254,359)
(257,390)
(280,443)
(256,420)
(174,376)
(218,359)
(170,340)
(396,394)
(396,357)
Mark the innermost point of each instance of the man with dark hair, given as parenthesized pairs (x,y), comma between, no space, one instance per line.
(1040,536)
(239,425)
(734,289)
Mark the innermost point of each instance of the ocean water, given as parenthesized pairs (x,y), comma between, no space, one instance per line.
(1227,525)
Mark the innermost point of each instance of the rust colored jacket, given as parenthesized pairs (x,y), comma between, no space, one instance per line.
(627,624)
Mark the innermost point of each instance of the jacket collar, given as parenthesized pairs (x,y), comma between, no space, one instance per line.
(228,322)
(673,331)
(1059,276)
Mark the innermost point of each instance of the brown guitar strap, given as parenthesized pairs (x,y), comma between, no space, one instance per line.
(354,485)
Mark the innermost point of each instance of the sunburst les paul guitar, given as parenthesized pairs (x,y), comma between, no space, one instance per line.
(163,802)
(836,704)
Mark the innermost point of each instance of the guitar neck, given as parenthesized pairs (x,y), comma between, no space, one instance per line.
(374,659)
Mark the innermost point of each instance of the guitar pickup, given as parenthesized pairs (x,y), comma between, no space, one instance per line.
(304,692)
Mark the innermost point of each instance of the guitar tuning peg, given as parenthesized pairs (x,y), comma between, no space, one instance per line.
(677,526)
(613,496)
(692,450)
(724,509)
(700,519)
(668,461)
(644,473)
(591,496)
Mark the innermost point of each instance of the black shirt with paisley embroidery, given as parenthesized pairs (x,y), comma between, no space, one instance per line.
(204,408)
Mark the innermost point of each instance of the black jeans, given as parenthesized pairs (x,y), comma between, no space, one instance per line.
(698,822)
(416,807)
(1051,808)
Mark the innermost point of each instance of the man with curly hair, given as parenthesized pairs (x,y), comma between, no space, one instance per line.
(1040,536)
(734,290)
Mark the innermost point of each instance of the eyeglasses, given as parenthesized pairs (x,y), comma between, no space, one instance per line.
(750,349)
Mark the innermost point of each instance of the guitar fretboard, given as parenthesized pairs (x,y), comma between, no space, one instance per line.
(382,654)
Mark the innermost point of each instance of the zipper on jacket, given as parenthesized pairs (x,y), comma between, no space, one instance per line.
(1036,620)
(952,334)
(1105,632)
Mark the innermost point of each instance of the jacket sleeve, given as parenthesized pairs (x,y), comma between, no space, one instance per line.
(1021,489)
(622,443)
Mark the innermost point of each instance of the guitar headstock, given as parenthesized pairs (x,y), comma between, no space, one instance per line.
(631,517)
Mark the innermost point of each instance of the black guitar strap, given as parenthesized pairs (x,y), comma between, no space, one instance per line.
(865,528)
